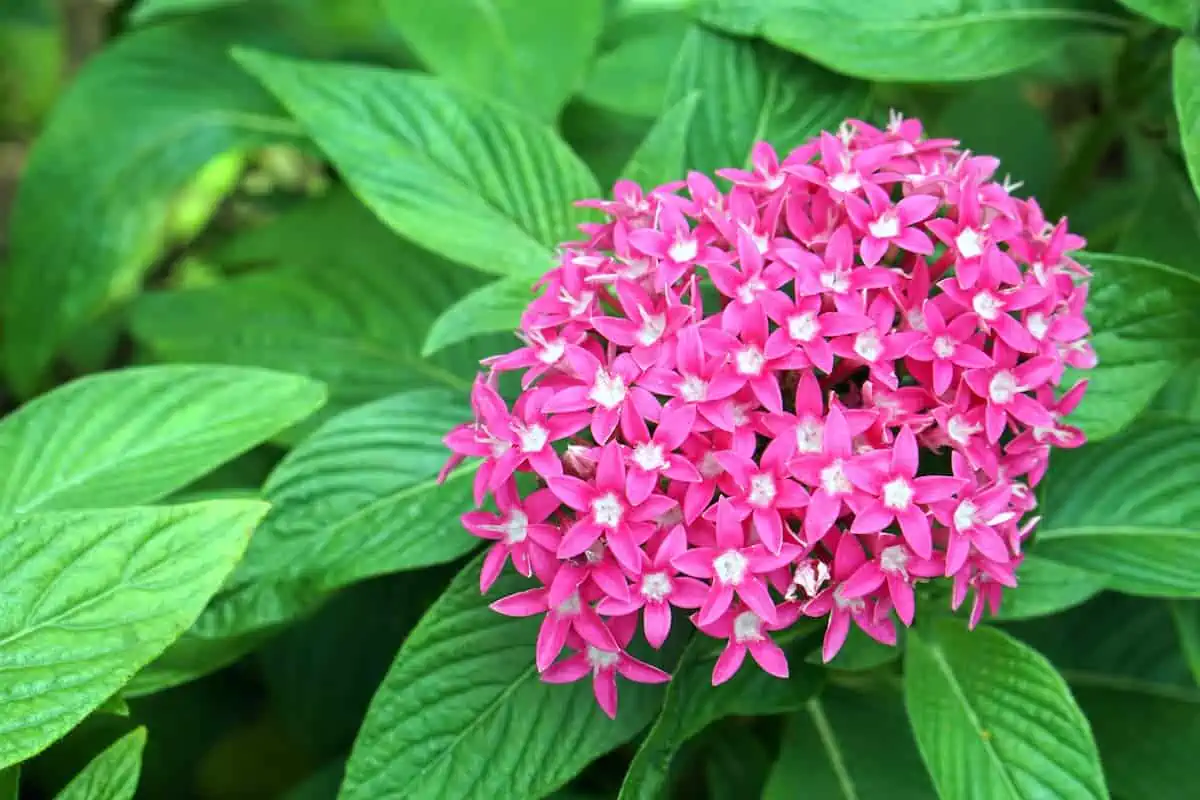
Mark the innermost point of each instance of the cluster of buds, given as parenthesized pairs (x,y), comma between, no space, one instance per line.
(796,398)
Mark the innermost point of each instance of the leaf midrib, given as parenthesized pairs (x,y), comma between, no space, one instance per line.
(974,18)
(1165,530)
(939,658)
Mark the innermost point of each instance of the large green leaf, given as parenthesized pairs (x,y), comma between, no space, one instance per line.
(1111,634)
(463,715)
(136,435)
(10,782)
(899,40)
(1186,71)
(1047,587)
(1145,326)
(1182,14)
(849,746)
(631,77)
(92,596)
(355,319)
(660,158)
(360,497)
(140,120)
(1148,735)
(692,703)
(751,92)
(112,775)
(993,719)
(1128,509)
(493,308)
(530,53)
(148,10)
(458,174)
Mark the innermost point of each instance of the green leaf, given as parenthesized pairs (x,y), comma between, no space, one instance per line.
(1127,509)
(660,157)
(1148,735)
(149,10)
(1047,587)
(360,497)
(1165,222)
(138,434)
(112,775)
(849,746)
(460,175)
(993,718)
(1145,326)
(631,77)
(692,703)
(736,760)
(355,321)
(860,652)
(493,308)
(997,118)
(899,40)
(751,92)
(92,596)
(1182,14)
(530,53)
(1186,76)
(1111,634)
(156,107)
(463,715)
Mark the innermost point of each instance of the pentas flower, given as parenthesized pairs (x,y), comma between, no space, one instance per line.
(803,389)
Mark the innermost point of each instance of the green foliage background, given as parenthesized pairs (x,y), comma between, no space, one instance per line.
(252,252)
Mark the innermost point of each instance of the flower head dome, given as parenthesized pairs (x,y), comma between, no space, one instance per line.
(800,396)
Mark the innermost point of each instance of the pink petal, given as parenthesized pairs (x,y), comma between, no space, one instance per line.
(915,527)
(604,686)
(770,657)
(757,598)
(717,603)
(551,639)
(687,593)
(572,491)
(521,604)
(728,663)
(656,619)
(578,538)
(770,528)
(698,562)
(568,670)
(640,671)
(865,580)
(835,635)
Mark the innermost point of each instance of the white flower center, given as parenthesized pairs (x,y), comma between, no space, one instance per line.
(845,182)
(964,515)
(738,412)
(635,269)
(773,181)
(576,305)
(986,305)
(608,390)
(867,346)
(516,526)
(730,567)
(709,466)
(762,491)
(569,607)
(656,586)
(833,479)
(886,227)
(893,559)
(836,281)
(551,352)
(683,250)
(943,347)
(803,327)
(915,318)
(854,604)
(961,431)
(602,659)
(653,327)
(607,510)
(750,361)
(1037,325)
(750,290)
(747,627)
(649,456)
(669,518)
(810,435)
(897,494)
(1003,387)
(969,243)
(811,576)
(533,438)
(693,389)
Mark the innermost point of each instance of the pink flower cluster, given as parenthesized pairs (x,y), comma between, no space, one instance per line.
(796,398)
